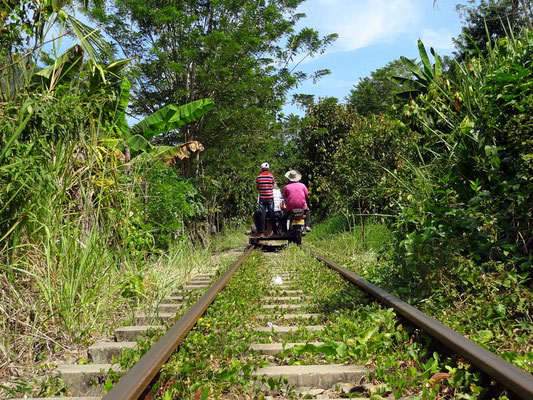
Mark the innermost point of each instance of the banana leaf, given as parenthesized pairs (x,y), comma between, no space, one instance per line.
(90,40)
(171,117)
(68,63)
(415,69)
(170,155)
(438,62)
(429,75)
(137,142)
(124,100)
(410,87)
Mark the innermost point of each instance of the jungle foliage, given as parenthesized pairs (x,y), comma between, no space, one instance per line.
(441,150)
(241,55)
(495,18)
(80,192)
(457,162)
(450,173)
(448,169)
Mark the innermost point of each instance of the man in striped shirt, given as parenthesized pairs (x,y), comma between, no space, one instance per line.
(265,186)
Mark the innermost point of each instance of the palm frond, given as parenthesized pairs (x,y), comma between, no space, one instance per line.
(90,39)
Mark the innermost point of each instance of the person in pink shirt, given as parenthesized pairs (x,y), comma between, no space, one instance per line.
(295,195)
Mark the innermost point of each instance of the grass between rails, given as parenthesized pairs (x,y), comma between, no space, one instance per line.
(230,238)
(214,361)
(358,330)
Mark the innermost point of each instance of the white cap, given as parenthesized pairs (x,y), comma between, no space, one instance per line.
(265,165)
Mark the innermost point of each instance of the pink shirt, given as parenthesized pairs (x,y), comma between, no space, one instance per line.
(295,194)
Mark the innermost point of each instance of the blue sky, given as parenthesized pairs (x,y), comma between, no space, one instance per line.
(372,33)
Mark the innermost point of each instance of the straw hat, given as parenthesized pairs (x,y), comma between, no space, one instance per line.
(293,175)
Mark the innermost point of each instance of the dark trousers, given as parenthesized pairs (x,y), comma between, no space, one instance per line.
(257,219)
(266,205)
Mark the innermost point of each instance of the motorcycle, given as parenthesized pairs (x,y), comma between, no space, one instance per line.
(296,227)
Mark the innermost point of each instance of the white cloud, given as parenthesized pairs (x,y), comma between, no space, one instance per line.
(360,23)
(441,39)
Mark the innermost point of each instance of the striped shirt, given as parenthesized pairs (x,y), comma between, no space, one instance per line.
(265,184)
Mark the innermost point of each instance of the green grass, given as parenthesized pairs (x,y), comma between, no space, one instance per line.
(212,358)
(80,292)
(355,248)
(489,303)
(231,237)
(214,361)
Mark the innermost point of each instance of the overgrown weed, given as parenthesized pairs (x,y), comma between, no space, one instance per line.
(401,359)
(83,293)
(205,365)
(231,237)
(487,302)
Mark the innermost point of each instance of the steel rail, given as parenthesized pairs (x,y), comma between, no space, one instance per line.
(517,380)
(132,385)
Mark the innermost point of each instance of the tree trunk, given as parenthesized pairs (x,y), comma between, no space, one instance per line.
(526,7)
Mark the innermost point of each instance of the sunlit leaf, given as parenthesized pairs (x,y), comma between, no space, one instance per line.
(171,117)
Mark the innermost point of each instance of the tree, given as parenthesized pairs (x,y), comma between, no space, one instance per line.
(328,124)
(495,18)
(227,50)
(376,94)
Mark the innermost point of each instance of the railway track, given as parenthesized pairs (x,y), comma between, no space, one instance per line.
(287,340)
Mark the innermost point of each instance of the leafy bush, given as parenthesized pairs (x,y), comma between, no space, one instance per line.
(472,191)
(171,203)
(349,159)
(487,302)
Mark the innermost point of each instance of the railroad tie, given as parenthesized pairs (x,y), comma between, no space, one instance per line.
(147,319)
(282,306)
(175,299)
(166,311)
(132,333)
(285,299)
(104,352)
(277,348)
(87,380)
(296,292)
(291,316)
(284,330)
(304,378)
(195,286)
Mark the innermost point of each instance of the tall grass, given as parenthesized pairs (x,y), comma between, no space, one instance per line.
(231,237)
(345,243)
(74,262)
(172,269)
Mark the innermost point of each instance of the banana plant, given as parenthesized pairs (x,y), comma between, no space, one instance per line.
(425,75)
(47,16)
(171,155)
(166,119)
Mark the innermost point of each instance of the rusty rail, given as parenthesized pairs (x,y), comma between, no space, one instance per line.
(517,380)
(136,381)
